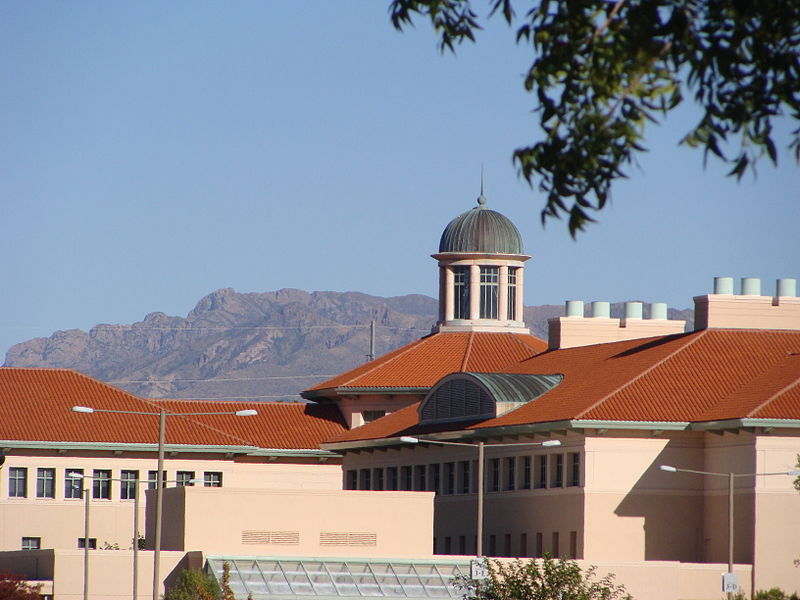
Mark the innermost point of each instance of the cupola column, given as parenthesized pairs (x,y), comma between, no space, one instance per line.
(474,292)
(502,296)
(446,292)
(520,299)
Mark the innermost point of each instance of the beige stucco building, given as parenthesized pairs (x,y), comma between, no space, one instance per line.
(378,474)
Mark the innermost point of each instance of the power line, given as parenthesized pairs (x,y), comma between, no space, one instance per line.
(220,379)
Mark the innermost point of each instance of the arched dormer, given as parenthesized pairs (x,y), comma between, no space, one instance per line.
(481,265)
(479,396)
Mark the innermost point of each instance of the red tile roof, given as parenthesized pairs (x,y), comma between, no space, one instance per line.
(709,375)
(422,363)
(35,405)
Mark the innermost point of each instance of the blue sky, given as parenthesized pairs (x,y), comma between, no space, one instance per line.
(154,152)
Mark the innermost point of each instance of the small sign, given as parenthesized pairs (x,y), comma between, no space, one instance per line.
(730,583)
(478,569)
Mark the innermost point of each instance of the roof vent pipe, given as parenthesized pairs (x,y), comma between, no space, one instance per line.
(658,310)
(633,310)
(723,285)
(751,286)
(601,309)
(786,287)
(574,308)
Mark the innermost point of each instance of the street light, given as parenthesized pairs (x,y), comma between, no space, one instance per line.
(162,431)
(729,580)
(481,466)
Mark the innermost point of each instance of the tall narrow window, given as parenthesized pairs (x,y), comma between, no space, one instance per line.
(127,488)
(449,478)
(558,471)
(364,480)
(391,478)
(351,481)
(377,479)
(555,549)
(407,478)
(18,482)
(73,486)
(433,477)
(490,278)
(461,292)
(45,483)
(523,544)
(511,472)
(101,484)
(494,483)
(539,545)
(511,313)
(465,471)
(541,468)
(526,472)
(419,475)
(574,469)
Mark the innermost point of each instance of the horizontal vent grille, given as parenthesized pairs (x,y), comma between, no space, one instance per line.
(347,538)
(286,538)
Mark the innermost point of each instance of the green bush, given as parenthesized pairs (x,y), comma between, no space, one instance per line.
(194,584)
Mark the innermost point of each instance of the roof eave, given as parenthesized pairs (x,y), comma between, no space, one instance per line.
(344,390)
(170,448)
(746,422)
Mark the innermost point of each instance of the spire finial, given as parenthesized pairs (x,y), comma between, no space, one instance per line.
(481,198)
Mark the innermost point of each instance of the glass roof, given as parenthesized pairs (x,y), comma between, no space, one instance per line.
(265,578)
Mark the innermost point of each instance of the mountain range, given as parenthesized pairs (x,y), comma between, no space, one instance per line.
(249,346)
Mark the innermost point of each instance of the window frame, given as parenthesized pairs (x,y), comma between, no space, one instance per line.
(45,482)
(18,482)
(128,485)
(30,543)
(73,486)
(212,479)
(101,484)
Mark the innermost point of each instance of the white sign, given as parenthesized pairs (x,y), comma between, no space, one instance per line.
(478,569)
(730,583)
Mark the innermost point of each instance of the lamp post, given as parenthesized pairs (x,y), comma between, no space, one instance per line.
(728,581)
(481,467)
(162,431)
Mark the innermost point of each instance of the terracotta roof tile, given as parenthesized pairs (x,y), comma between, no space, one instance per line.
(36,406)
(422,363)
(712,374)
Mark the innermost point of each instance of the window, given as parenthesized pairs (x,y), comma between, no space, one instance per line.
(391,478)
(371,415)
(73,486)
(558,470)
(523,544)
(101,484)
(512,294)
(461,292)
(45,483)
(31,543)
(434,472)
(447,548)
(127,488)
(573,544)
(419,475)
(377,478)
(407,480)
(364,479)
(526,473)
(574,469)
(539,545)
(555,545)
(511,473)
(92,543)
(18,482)
(492,545)
(352,480)
(494,484)
(507,545)
(490,277)
(462,544)
(541,475)
(465,472)
(449,478)
(152,477)
(184,478)
(212,479)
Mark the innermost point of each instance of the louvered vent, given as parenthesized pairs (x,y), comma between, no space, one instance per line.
(457,399)
(284,538)
(348,538)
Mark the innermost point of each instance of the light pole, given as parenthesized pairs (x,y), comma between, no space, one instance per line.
(481,460)
(162,431)
(730,580)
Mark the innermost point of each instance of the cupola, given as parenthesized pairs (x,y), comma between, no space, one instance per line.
(481,264)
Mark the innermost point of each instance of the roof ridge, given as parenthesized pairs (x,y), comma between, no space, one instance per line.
(519,340)
(467,351)
(780,392)
(630,382)
(194,421)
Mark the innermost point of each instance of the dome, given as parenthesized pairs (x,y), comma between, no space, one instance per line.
(481,230)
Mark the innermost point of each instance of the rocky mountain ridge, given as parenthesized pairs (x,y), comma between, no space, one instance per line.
(255,346)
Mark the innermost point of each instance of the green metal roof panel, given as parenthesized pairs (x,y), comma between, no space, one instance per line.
(517,388)
(481,230)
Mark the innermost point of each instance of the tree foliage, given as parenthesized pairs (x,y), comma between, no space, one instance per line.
(603,69)
(194,584)
(14,587)
(542,579)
